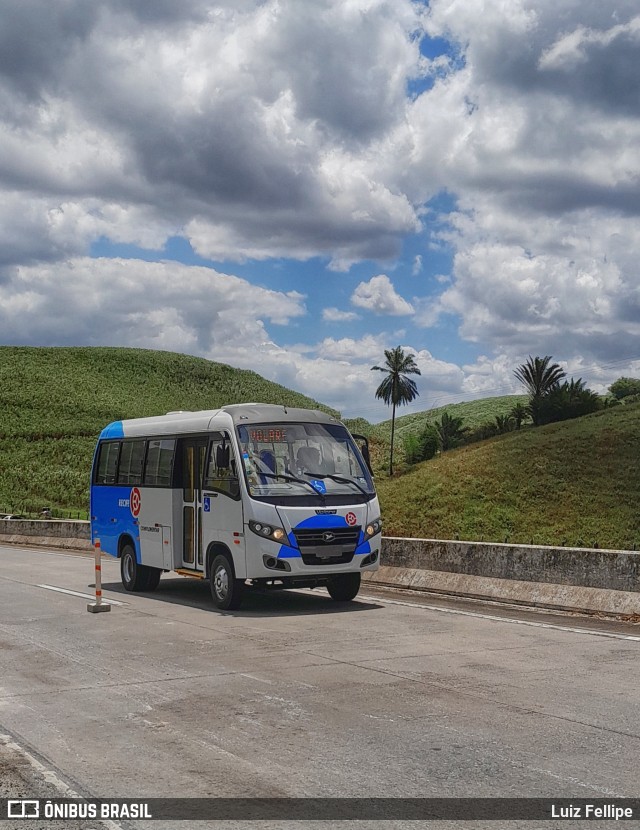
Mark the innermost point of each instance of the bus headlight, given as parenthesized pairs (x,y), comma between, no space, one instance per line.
(372,528)
(274,534)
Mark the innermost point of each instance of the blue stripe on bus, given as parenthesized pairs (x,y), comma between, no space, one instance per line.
(323,521)
(113,430)
(288,552)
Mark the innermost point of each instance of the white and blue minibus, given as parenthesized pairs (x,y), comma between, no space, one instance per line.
(249,494)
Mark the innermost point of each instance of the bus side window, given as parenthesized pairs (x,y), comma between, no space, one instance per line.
(131,461)
(157,471)
(222,471)
(107,462)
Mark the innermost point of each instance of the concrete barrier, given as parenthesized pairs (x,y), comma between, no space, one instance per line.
(70,535)
(569,579)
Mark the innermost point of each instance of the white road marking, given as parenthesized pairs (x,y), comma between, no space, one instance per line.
(79,552)
(531,623)
(80,594)
(259,679)
(52,778)
(592,632)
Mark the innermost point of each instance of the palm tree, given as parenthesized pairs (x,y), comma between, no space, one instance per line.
(450,431)
(397,388)
(504,423)
(519,413)
(540,377)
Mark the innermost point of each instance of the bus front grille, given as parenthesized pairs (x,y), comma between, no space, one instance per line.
(327,545)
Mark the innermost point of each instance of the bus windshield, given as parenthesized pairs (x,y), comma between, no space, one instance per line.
(283,460)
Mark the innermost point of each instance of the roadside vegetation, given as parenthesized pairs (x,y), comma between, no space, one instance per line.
(550,398)
(574,482)
(491,474)
(55,401)
(409,428)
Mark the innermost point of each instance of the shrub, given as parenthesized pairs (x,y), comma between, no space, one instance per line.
(428,442)
(451,432)
(624,387)
(570,400)
(504,423)
(412,449)
(421,447)
(486,430)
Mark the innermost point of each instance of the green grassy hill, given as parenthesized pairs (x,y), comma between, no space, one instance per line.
(575,482)
(55,401)
(473,414)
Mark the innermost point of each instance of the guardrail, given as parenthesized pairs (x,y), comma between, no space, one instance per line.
(68,533)
(570,579)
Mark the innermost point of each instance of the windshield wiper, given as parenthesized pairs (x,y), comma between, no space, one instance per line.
(340,478)
(288,477)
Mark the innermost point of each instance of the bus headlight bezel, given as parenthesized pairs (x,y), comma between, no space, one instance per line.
(272,533)
(372,528)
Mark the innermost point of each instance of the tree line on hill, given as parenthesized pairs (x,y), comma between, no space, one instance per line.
(551,398)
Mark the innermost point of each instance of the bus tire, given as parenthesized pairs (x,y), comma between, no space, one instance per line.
(153,578)
(344,587)
(226,590)
(134,576)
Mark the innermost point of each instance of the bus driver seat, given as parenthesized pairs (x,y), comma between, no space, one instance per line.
(269,461)
(308,459)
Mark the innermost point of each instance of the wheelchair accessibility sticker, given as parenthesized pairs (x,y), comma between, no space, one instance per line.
(206,504)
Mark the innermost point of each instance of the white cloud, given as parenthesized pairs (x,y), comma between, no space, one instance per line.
(248,155)
(299,140)
(489,377)
(569,50)
(368,348)
(379,295)
(130,302)
(568,287)
(438,376)
(536,134)
(335,315)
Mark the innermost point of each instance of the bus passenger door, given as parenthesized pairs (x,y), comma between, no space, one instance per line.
(193,452)
(222,515)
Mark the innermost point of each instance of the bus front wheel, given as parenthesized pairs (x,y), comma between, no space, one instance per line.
(226,590)
(344,587)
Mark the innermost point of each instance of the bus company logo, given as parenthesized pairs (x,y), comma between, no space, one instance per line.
(135,502)
(351,519)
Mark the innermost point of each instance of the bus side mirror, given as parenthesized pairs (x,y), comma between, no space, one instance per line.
(222,457)
(364,449)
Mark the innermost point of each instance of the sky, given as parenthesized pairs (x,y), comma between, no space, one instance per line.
(294,187)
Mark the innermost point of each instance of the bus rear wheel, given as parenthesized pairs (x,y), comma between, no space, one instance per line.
(153,578)
(136,577)
(226,590)
(344,587)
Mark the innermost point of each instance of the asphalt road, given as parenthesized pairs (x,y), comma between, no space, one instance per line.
(395,695)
